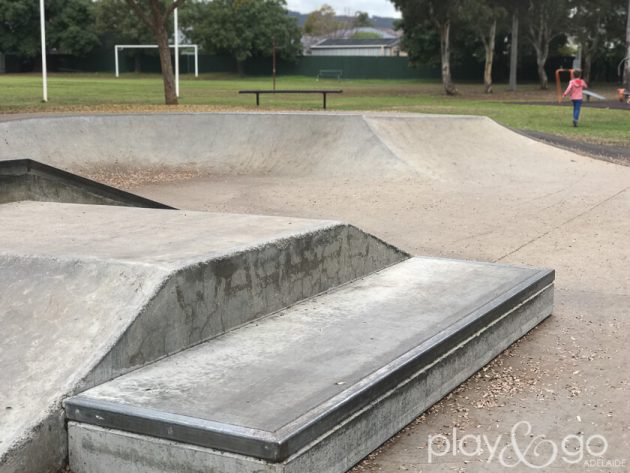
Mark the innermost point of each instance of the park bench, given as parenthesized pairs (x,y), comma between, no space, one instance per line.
(329,73)
(258,92)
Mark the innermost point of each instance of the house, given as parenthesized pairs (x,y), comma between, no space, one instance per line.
(356,47)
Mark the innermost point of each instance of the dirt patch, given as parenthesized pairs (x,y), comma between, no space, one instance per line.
(123,177)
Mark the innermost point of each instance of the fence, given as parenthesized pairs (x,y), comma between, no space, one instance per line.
(353,67)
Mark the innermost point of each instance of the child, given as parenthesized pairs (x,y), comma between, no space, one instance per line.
(574,90)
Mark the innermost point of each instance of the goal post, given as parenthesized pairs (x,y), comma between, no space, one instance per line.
(120,47)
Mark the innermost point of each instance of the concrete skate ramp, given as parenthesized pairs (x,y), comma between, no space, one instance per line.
(465,148)
(89,292)
(220,143)
(284,144)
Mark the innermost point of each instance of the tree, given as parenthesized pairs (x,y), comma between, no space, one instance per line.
(439,14)
(483,16)
(361,19)
(514,51)
(155,14)
(113,19)
(420,40)
(546,19)
(322,22)
(244,28)
(69,27)
(18,27)
(596,24)
(516,11)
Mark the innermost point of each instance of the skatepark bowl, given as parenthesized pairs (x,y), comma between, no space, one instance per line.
(139,337)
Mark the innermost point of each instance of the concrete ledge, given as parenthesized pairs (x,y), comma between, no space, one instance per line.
(94,449)
(291,419)
(25,179)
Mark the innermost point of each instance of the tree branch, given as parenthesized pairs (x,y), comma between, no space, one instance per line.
(137,9)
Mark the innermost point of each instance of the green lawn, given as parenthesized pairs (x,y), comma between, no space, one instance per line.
(131,92)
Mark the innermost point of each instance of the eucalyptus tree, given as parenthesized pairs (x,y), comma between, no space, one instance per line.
(546,20)
(598,26)
(516,11)
(440,15)
(483,17)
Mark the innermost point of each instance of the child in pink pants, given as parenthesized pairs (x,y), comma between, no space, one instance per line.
(574,91)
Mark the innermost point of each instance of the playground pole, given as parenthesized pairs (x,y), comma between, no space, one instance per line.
(627,68)
(42,23)
(176,34)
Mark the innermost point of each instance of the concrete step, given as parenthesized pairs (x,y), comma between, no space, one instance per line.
(104,290)
(317,386)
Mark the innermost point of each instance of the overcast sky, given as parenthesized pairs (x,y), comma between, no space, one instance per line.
(373,7)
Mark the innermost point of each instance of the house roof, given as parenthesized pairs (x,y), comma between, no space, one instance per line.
(356,43)
(381,32)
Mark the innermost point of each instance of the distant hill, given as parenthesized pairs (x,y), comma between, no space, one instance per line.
(379,21)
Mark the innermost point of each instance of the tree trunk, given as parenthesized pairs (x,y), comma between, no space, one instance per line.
(542,74)
(489,46)
(541,46)
(587,61)
(240,67)
(514,52)
(166,65)
(540,38)
(445,49)
(155,15)
(627,68)
(137,63)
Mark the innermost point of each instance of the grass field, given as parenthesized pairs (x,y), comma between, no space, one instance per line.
(103,93)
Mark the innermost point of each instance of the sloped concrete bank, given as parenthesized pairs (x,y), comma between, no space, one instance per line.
(320,145)
(91,292)
(218,143)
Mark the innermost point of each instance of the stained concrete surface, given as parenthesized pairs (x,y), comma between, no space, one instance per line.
(275,378)
(98,450)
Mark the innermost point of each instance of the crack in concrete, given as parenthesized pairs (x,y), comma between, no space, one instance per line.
(575,217)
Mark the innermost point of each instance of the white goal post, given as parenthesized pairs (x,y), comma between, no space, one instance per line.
(120,47)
